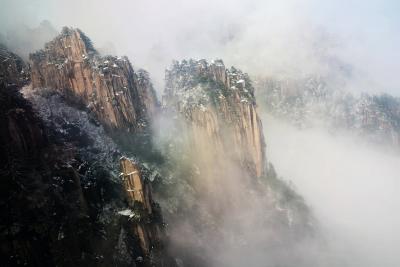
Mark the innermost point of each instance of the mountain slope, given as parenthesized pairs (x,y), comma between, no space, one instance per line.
(108,86)
(313,101)
(220,195)
(107,154)
(65,203)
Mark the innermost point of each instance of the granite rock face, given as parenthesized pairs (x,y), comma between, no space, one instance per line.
(64,203)
(220,194)
(119,97)
(144,213)
(79,199)
(220,103)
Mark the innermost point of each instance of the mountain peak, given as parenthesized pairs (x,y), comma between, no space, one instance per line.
(220,102)
(108,86)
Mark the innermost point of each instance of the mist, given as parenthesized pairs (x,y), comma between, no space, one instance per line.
(220,215)
(293,37)
(352,187)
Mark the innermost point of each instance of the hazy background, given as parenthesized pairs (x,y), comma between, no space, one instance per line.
(353,188)
(290,37)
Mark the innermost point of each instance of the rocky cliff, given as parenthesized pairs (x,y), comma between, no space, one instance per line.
(76,197)
(223,205)
(108,86)
(219,104)
(144,212)
(48,210)
(64,203)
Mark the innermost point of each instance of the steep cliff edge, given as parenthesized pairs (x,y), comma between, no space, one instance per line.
(74,199)
(48,210)
(220,103)
(144,213)
(223,205)
(108,86)
(63,202)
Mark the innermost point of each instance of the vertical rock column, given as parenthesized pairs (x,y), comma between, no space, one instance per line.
(219,104)
(146,217)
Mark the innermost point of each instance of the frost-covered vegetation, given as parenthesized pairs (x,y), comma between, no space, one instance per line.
(76,127)
(94,197)
(199,83)
(314,102)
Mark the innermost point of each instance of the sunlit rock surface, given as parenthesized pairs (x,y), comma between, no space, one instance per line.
(224,206)
(64,200)
(139,196)
(220,103)
(220,200)
(108,86)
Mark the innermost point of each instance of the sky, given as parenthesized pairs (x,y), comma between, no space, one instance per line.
(263,37)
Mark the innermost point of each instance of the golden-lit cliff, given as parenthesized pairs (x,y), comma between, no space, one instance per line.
(119,97)
(219,105)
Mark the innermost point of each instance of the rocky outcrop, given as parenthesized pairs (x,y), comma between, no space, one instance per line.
(219,102)
(65,203)
(70,69)
(119,97)
(145,214)
(219,193)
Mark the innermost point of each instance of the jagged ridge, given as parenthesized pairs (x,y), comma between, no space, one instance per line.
(108,86)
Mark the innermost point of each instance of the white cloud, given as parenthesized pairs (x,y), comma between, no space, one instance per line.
(353,187)
(263,37)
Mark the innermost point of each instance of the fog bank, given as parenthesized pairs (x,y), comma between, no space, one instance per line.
(352,187)
(269,37)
